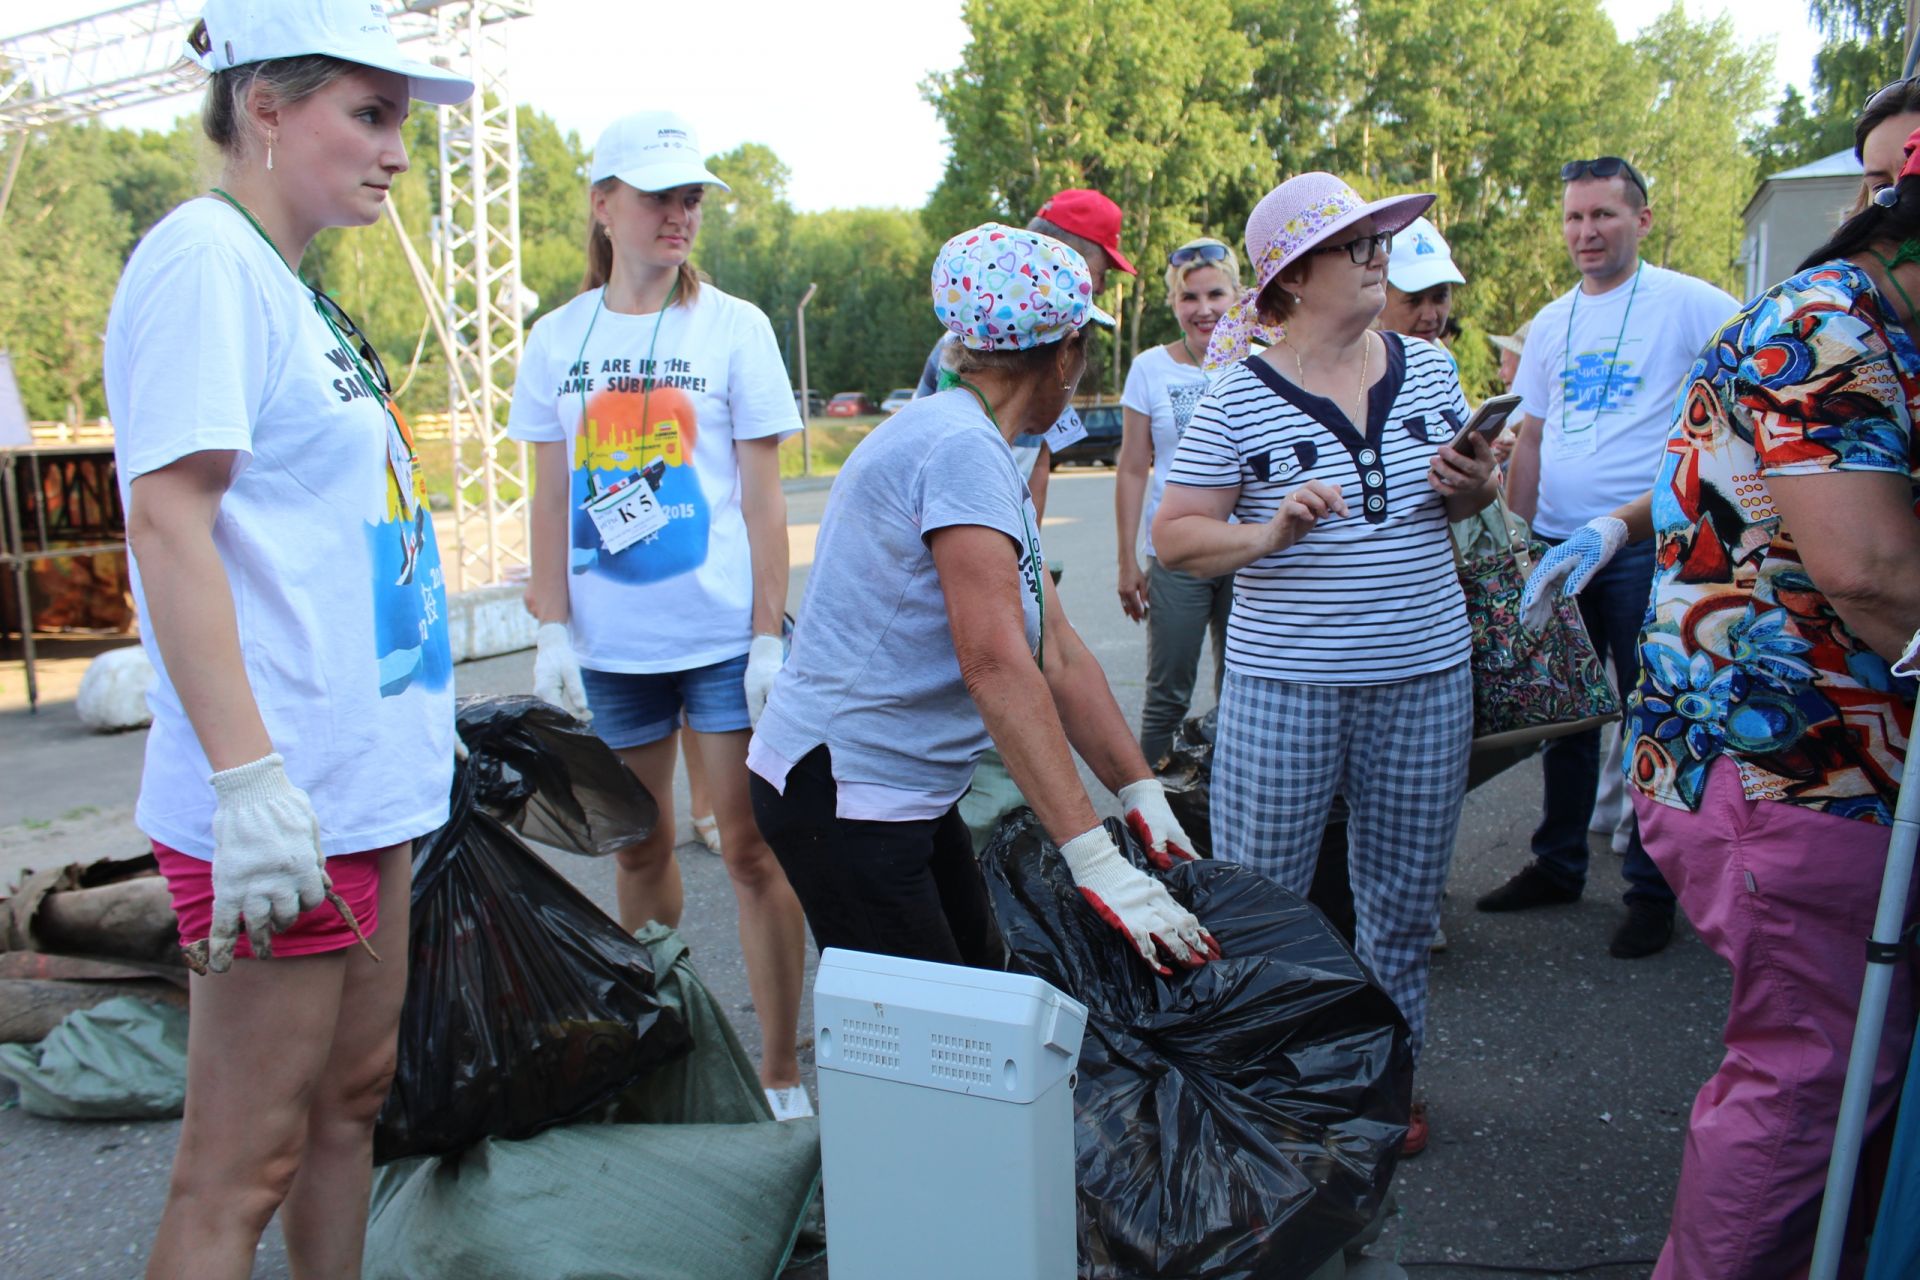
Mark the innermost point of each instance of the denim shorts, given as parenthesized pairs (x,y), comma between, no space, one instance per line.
(631,710)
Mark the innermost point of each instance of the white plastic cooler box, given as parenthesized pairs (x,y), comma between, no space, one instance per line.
(946,1120)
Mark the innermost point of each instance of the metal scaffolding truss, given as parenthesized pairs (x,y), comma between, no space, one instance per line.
(478,242)
(134,54)
(125,57)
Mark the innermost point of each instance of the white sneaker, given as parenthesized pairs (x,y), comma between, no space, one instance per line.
(790,1103)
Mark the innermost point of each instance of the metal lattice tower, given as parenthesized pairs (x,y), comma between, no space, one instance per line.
(133,55)
(478,243)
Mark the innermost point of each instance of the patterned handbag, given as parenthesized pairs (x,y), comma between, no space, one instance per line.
(1527,685)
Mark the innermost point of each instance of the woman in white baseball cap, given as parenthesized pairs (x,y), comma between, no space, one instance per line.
(1420,279)
(656,404)
(292,603)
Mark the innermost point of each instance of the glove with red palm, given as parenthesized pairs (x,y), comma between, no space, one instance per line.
(1149,818)
(1136,904)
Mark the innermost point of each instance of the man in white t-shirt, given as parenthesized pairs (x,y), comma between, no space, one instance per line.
(1599,377)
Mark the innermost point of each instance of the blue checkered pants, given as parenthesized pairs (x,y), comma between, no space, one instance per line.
(1398,753)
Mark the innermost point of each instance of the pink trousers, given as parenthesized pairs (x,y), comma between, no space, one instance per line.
(1786,896)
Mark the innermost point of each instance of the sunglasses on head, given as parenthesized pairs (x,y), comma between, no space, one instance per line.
(1197,253)
(1604,167)
(1887,94)
(1362,250)
(343,325)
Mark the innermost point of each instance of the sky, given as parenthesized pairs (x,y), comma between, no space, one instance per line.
(848,117)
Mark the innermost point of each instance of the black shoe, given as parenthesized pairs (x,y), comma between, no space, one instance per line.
(1531,888)
(1646,931)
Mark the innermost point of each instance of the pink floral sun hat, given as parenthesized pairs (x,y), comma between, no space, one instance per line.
(1288,222)
(1000,288)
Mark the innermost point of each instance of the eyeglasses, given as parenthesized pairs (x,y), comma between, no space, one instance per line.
(344,327)
(1604,167)
(1363,250)
(1198,253)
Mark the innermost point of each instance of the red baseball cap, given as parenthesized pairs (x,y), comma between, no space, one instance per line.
(1092,215)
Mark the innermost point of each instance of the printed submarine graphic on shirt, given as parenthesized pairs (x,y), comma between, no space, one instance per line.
(409,588)
(627,430)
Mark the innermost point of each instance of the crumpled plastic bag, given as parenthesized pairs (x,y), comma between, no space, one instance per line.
(526,1006)
(1240,1121)
(123,1059)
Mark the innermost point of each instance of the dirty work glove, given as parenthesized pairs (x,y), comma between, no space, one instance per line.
(267,865)
(1136,904)
(556,672)
(1148,816)
(763,664)
(1570,567)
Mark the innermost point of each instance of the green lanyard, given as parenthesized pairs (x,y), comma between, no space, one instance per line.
(403,483)
(1908,252)
(1606,388)
(1033,543)
(646,379)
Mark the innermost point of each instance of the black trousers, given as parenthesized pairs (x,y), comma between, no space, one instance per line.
(895,888)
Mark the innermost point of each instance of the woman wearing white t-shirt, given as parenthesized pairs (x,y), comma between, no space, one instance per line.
(656,405)
(1163,386)
(1347,650)
(289,587)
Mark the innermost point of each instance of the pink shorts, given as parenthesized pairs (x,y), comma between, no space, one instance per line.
(355,876)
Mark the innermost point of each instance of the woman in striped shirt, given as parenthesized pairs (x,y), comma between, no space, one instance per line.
(1347,648)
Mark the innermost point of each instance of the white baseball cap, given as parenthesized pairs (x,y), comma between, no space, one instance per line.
(1421,259)
(240,32)
(651,151)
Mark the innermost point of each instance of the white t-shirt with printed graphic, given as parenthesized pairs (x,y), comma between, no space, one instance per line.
(1607,412)
(682,597)
(212,344)
(1166,391)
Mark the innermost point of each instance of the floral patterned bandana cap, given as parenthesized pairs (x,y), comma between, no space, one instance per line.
(1000,288)
(1289,222)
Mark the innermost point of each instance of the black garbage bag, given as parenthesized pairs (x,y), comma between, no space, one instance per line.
(1235,1122)
(526,1006)
(544,773)
(1186,774)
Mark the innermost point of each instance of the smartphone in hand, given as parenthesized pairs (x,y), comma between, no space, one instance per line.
(1487,420)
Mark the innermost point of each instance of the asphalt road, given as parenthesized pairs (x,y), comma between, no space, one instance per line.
(1558,1079)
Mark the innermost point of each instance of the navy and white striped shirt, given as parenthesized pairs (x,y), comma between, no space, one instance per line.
(1368,598)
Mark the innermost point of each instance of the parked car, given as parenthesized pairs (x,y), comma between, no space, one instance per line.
(816,404)
(1100,447)
(850,404)
(897,399)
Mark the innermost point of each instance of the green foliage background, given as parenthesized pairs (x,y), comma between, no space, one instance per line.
(1185,115)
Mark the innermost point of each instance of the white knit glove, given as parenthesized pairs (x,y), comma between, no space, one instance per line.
(1909,664)
(764,661)
(556,672)
(1136,904)
(267,864)
(1145,804)
(1570,566)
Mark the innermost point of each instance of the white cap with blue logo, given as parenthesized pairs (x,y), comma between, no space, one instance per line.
(1421,259)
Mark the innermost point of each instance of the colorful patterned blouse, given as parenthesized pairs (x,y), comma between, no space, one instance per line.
(1741,654)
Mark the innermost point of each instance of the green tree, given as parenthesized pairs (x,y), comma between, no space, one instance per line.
(747,231)
(1145,104)
(1864,48)
(1706,86)
(871,324)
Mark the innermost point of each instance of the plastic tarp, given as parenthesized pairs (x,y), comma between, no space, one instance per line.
(696,1182)
(1240,1120)
(124,1059)
(526,1006)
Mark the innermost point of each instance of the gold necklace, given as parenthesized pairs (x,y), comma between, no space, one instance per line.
(1360,401)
